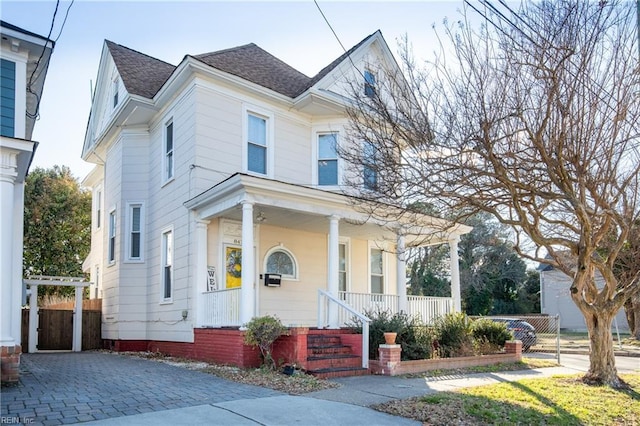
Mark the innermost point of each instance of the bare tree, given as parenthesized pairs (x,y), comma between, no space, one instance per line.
(534,118)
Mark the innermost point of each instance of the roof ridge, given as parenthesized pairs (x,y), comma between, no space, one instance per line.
(109,42)
(228,49)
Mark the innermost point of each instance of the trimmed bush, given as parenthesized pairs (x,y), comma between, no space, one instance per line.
(453,335)
(489,336)
(262,332)
(412,335)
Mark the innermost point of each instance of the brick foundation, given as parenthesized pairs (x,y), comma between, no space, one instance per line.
(390,364)
(10,363)
(226,346)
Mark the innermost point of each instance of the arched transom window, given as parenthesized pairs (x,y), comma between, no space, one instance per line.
(281,261)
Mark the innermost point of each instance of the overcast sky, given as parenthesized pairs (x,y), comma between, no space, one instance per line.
(293,31)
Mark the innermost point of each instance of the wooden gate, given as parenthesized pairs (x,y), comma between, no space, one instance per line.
(55,329)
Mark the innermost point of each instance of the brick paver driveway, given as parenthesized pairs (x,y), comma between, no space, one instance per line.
(64,388)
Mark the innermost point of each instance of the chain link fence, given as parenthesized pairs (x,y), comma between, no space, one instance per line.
(538,333)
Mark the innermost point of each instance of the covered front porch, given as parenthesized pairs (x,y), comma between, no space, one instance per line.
(312,240)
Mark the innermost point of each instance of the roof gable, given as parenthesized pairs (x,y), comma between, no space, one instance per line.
(141,74)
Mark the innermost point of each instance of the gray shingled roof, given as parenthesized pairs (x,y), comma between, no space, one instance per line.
(254,64)
(143,75)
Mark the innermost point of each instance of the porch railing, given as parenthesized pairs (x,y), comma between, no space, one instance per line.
(221,308)
(426,308)
(324,300)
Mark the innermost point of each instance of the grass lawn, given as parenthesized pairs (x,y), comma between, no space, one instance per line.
(561,400)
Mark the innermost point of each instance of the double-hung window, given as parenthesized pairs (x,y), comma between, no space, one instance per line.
(98,204)
(116,90)
(369,84)
(111,253)
(327,159)
(135,241)
(343,266)
(168,152)
(256,144)
(369,172)
(377,269)
(167,265)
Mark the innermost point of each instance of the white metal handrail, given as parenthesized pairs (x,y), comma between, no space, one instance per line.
(322,317)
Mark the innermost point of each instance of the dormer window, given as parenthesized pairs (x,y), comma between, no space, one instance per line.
(369,84)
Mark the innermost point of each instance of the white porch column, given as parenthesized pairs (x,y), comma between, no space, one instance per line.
(401,274)
(33,319)
(200,272)
(8,175)
(333,273)
(247,292)
(77,321)
(455,273)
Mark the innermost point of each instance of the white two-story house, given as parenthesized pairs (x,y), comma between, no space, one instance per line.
(218,197)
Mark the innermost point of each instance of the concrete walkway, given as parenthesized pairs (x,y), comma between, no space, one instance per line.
(111,389)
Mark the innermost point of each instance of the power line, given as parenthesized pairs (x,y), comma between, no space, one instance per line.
(33,77)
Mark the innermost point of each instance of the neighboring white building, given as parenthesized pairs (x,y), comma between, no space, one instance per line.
(215,172)
(24,59)
(555,299)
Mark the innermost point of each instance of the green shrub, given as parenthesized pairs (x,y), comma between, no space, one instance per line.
(414,338)
(262,332)
(489,335)
(453,335)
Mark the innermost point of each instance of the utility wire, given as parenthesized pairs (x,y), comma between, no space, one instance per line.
(33,76)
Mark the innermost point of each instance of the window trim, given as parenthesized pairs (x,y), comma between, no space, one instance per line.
(317,159)
(369,165)
(283,249)
(163,264)
(346,242)
(268,116)
(112,234)
(168,175)
(383,275)
(369,86)
(130,206)
(97,207)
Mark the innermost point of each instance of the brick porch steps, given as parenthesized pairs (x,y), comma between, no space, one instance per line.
(328,357)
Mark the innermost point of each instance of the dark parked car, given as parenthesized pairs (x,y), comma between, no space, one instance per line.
(521,330)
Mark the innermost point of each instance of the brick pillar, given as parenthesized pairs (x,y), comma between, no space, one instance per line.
(513,347)
(389,359)
(10,363)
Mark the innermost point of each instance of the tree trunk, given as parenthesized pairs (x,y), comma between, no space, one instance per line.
(602,363)
(632,310)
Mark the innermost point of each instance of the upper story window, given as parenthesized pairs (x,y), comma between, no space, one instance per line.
(98,204)
(257,144)
(327,159)
(135,243)
(167,157)
(281,261)
(369,83)
(111,254)
(116,89)
(8,98)
(377,268)
(369,172)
